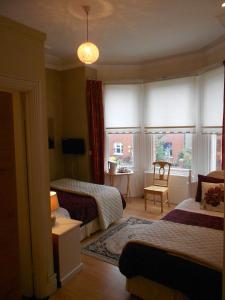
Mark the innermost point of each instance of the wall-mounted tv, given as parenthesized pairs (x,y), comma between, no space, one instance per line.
(73,146)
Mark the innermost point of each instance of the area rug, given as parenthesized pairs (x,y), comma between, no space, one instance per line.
(108,245)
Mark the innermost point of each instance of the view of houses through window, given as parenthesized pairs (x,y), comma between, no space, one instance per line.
(174,148)
(216,151)
(171,147)
(121,149)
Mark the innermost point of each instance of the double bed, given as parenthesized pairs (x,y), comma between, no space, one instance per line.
(177,258)
(97,206)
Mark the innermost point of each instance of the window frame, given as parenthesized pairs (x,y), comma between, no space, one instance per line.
(117,146)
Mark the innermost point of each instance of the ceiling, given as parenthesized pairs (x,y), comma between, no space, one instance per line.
(126,31)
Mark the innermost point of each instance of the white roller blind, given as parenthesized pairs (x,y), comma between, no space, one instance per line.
(122,105)
(212,86)
(170,104)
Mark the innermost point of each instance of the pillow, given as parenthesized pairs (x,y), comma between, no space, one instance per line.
(202,178)
(212,196)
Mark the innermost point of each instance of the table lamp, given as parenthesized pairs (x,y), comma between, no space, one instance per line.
(54,205)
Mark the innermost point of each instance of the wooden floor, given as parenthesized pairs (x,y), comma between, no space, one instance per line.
(99,280)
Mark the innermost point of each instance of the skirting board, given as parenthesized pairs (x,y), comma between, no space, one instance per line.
(71,274)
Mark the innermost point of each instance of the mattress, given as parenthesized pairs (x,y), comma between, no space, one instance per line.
(195,279)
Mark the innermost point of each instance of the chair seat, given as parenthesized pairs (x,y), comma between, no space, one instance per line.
(156,189)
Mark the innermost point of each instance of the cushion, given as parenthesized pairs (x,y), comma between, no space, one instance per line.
(202,178)
(212,196)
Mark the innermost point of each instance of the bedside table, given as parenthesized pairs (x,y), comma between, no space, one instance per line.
(66,248)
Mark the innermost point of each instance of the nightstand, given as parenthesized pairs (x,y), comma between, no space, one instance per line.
(66,248)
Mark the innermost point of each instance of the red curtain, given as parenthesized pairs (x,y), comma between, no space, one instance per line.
(96,128)
(223,136)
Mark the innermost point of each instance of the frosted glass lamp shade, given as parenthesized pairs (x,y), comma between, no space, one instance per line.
(54,201)
(88,53)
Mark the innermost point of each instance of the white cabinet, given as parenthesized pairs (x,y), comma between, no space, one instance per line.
(66,248)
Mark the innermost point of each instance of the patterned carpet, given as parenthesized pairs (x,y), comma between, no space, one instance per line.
(108,245)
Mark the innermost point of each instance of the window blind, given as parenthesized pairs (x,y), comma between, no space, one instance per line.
(122,105)
(170,105)
(212,89)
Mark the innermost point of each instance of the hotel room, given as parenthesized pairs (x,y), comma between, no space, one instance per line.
(82,214)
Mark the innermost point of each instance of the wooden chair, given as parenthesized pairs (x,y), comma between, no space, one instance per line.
(160,183)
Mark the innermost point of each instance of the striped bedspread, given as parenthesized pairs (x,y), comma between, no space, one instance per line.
(108,199)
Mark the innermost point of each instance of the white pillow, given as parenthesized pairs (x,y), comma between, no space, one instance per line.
(212,196)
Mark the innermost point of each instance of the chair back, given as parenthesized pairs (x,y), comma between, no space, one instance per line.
(161,173)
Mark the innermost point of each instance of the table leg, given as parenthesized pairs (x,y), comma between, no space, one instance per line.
(145,197)
(112,180)
(128,185)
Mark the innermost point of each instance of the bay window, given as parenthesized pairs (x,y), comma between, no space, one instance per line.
(176,120)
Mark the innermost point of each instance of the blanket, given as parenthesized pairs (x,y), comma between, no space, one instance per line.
(184,251)
(193,218)
(108,199)
(198,244)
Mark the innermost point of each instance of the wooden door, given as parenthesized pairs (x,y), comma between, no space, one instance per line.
(9,247)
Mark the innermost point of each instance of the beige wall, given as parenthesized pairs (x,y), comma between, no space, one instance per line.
(75,122)
(22,67)
(67,111)
(22,51)
(55,121)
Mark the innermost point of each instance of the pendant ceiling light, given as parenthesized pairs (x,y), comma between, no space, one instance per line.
(88,52)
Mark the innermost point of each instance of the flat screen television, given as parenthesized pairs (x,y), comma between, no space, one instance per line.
(73,146)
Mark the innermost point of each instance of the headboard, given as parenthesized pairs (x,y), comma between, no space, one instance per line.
(216,174)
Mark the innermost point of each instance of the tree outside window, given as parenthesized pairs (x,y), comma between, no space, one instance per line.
(174,148)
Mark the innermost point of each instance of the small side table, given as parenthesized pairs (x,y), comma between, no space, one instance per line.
(66,248)
(112,176)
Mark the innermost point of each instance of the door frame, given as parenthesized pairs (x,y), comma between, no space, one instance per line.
(44,278)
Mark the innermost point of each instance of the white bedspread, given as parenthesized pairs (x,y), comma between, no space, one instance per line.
(108,199)
(198,244)
(191,205)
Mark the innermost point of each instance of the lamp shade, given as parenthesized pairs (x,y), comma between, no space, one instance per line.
(88,53)
(54,201)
